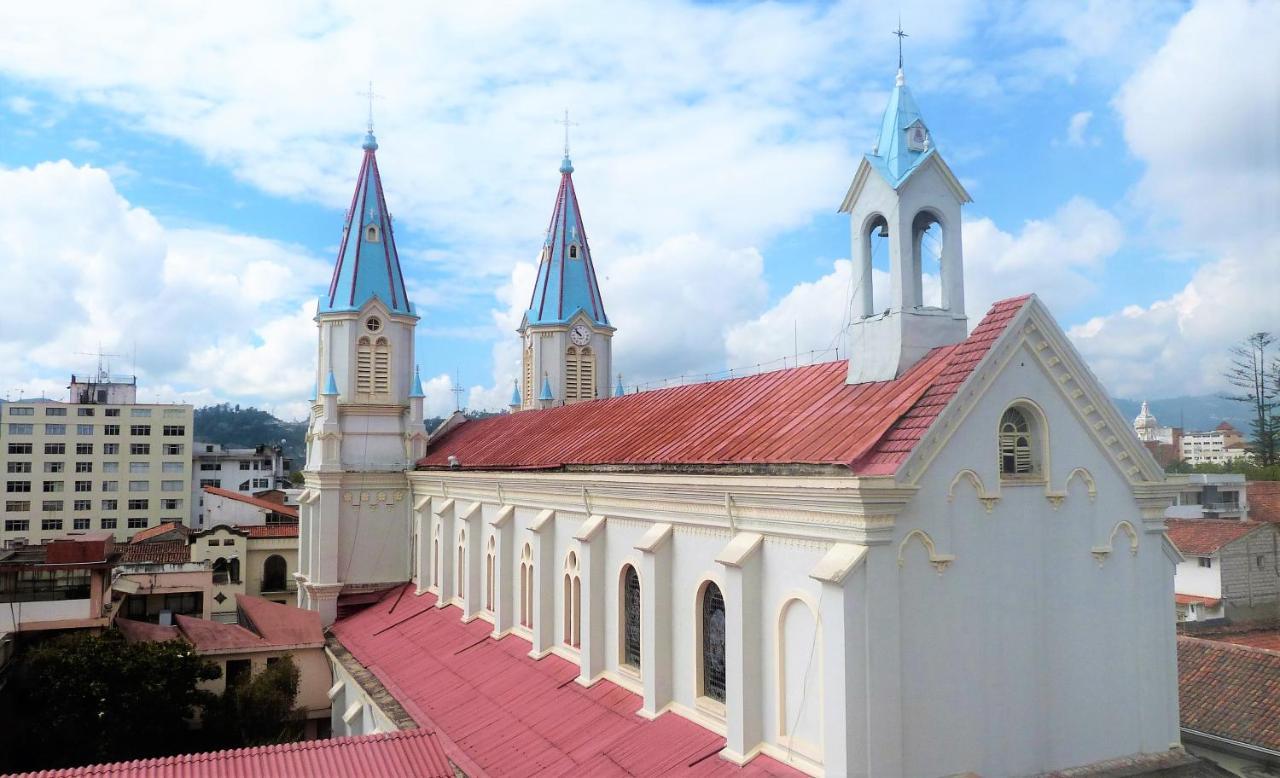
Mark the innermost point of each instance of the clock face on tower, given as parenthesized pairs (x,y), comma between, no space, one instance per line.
(580,335)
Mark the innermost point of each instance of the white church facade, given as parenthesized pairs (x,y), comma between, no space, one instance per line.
(945,554)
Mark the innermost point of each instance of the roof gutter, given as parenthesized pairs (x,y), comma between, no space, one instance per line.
(1233,746)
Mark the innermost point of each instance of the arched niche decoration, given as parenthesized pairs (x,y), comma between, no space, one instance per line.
(940,562)
(800,704)
(988,499)
(1101,553)
(1056,498)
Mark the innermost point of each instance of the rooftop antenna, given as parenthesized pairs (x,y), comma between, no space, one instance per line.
(370,95)
(900,35)
(567,124)
(103,370)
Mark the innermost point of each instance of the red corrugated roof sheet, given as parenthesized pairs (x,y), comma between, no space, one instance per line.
(1201,537)
(280,624)
(805,415)
(163,528)
(413,752)
(498,712)
(257,502)
(1195,599)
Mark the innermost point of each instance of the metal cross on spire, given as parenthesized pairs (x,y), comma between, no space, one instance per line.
(900,35)
(567,124)
(370,94)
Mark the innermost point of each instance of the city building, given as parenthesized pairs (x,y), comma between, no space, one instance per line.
(246,471)
(830,569)
(222,506)
(1150,431)
(158,580)
(61,584)
(254,560)
(100,462)
(261,633)
(1210,496)
(1231,570)
(1218,446)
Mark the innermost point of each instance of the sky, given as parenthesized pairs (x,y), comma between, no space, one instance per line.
(173,179)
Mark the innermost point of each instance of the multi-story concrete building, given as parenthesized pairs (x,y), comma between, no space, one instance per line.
(1218,446)
(101,461)
(1210,496)
(243,470)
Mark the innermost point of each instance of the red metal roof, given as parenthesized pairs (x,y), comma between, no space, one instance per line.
(279,624)
(208,635)
(499,712)
(163,528)
(1201,537)
(414,752)
(1195,599)
(805,415)
(271,530)
(257,502)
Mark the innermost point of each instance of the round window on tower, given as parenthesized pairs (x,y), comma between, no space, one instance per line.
(373,324)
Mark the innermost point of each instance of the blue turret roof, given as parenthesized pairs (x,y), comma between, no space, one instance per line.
(566,280)
(368,265)
(331,385)
(546,389)
(617,388)
(417,384)
(515,394)
(894,156)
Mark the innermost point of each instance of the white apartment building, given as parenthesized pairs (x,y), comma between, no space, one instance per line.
(1217,446)
(101,461)
(242,470)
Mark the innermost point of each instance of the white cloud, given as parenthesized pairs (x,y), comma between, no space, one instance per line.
(20,105)
(85,144)
(1077,126)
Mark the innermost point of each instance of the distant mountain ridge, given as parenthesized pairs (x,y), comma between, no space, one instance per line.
(237,427)
(1195,413)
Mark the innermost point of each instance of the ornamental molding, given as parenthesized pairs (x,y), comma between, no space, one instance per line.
(988,499)
(1056,498)
(1101,553)
(940,562)
(374,499)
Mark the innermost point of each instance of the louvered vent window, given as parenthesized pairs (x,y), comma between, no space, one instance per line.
(1015,444)
(713,643)
(528,373)
(364,366)
(571,374)
(630,617)
(382,367)
(586,374)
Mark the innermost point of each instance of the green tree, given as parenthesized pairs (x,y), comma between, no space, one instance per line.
(81,698)
(259,710)
(1257,380)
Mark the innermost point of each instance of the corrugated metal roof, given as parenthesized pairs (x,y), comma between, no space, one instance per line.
(257,502)
(805,415)
(499,712)
(414,752)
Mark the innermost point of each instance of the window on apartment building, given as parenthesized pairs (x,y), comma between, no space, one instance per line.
(51,506)
(110,467)
(237,671)
(140,430)
(111,429)
(244,486)
(244,465)
(50,524)
(110,449)
(84,429)
(21,429)
(139,505)
(171,504)
(52,486)
(79,524)
(84,411)
(21,410)
(55,449)
(174,413)
(55,429)
(84,467)
(140,449)
(84,486)
(173,467)
(140,413)
(138,523)
(139,467)
(17,506)
(110,505)
(19,448)
(207,466)
(109,523)
(111,412)
(110,486)
(84,449)
(17,525)
(210,482)
(53,410)
(54,467)
(261,483)
(139,486)
(18,467)
(1206,561)
(174,430)
(17,486)
(172,449)
(171,486)
(82,505)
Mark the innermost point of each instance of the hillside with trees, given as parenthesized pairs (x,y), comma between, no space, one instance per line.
(235,426)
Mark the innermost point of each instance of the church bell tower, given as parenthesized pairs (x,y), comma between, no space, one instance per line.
(905,198)
(566,340)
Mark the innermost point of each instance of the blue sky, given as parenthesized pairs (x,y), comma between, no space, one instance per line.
(174,182)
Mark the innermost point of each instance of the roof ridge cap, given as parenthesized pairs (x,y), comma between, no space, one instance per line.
(1229,646)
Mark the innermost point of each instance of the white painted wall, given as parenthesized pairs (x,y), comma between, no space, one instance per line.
(1191,578)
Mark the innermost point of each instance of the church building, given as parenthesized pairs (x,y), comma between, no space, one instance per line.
(945,554)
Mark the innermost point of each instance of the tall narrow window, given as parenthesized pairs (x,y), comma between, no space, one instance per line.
(381,367)
(630,617)
(526,586)
(571,374)
(586,374)
(1015,444)
(435,558)
(462,563)
(572,602)
(712,629)
(490,559)
(364,366)
(528,371)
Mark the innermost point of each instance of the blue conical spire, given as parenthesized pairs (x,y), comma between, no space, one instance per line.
(904,140)
(546,389)
(566,276)
(515,394)
(617,388)
(368,265)
(331,384)
(417,384)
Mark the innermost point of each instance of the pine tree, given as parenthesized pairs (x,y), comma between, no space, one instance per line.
(1258,380)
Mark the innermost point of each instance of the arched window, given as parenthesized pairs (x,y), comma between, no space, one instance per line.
(381,367)
(435,557)
(571,374)
(873,247)
(573,252)
(274,572)
(528,372)
(221,571)
(630,617)
(1017,443)
(926,258)
(526,586)
(572,602)
(490,559)
(712,657)
(462,563)
(371,233)
(234,569)
(364,366)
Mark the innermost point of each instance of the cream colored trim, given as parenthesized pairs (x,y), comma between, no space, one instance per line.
(654,538)
(740,549)
(352,711)
(808,750)
(838,562)
(707,577)
(334,690)
(467,513)
(589,528)
(1100,553)
(421,503)
(541,520)
(504,515)
(988,499)
(939,561)
(442,507)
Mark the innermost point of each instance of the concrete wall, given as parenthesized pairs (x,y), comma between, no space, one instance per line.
(259,549)
(315,675)
(1251,576)
(1191,578)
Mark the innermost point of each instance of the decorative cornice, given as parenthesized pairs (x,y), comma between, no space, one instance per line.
(741,548)
(838,562)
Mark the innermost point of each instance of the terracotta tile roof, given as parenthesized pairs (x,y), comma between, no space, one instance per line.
(272,531)
(157,552)
(1230,691)
(163,528)
(145,632)
(1195,599)
(207,635)
(805,415)
(1202,537)
(257,502)
(1264,638)
(414,752)
(281,625)
(499,712)
(1264,500)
